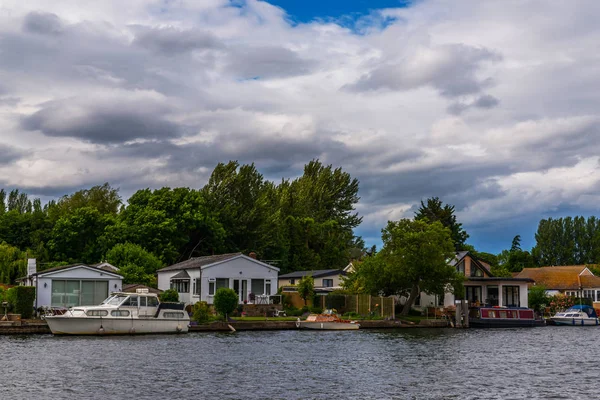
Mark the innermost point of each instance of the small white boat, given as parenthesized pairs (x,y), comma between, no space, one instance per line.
(122,313)
(328,320)
(579,315)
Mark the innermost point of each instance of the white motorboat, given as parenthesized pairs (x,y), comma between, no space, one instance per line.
(578,315)
(328,320)
(122,313)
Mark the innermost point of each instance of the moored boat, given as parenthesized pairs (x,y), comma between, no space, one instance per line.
(502,317)
(578,315)
(328,320)
(122,313)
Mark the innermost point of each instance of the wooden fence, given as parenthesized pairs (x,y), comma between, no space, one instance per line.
(362,304)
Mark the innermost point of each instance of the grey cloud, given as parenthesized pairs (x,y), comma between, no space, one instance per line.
(267,62)
(116,122)
(451,69)
(486,101)
(9,154)
(171,41)
(42,23)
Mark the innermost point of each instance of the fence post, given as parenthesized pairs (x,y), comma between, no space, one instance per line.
(381,302)
(356,297)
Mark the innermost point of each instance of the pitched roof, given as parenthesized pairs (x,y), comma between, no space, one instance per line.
(567,277)
(460,255)
(132,288)
(315,274)
(181,275)
(62,267)
(199,262)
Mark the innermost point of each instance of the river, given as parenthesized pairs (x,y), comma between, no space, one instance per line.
(545,363)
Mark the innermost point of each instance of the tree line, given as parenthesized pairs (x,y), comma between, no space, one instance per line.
(298,224)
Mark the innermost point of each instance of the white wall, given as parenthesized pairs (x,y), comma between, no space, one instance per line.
(242,268)
(44,294)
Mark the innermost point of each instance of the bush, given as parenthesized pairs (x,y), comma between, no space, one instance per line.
(293,311)
(169,296)
(22,299)
(316,310)
(201,312)
(351,314)
(226,300)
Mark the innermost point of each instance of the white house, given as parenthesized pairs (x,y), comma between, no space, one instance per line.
(197,279)
(325,280)
(72,285)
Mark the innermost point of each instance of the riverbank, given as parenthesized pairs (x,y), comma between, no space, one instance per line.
(28,327)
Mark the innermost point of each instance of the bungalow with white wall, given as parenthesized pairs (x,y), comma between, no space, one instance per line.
(570,280)
(72,285)
(198,278)
(325,280)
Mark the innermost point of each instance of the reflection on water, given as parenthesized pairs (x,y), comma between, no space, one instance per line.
(550,362)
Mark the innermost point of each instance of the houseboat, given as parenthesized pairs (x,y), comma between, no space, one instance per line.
(502,317)
(122,313)
(328,320)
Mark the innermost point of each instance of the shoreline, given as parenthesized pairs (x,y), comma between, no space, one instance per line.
(30,327)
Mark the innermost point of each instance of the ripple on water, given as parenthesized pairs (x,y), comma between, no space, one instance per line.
(550,362)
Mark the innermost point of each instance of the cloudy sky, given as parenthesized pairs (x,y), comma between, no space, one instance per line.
(491,106)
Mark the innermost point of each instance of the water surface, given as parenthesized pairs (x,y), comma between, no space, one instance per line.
(548,363)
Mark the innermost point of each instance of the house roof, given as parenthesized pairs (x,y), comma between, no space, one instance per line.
(568,277)
(181,275)
(199,262)
(315,274)
(132,288)
(65,267)
(208,261)
(460,255)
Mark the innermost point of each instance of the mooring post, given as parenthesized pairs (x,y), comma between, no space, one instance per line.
(466,313)
(458,314)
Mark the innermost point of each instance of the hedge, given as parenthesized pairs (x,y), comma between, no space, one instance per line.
(22,299)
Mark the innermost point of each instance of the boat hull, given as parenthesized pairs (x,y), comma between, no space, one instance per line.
(61,325)
(574,321)
(332,326)
(496,323)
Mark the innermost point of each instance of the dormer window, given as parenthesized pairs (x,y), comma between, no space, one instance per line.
(476,272)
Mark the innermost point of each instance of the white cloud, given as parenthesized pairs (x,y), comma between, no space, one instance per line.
(492,106)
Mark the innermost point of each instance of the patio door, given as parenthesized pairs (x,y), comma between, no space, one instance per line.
(241,288)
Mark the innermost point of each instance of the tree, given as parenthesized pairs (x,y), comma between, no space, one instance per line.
(103,198)
(226,300)
(306,287)
(13,263)
(435,210)
(538,298)
(415,258)
(169,296)
(133,254)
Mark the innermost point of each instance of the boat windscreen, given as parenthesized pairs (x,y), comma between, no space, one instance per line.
(115,300)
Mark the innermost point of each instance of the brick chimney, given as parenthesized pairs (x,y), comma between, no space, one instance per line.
(252,255)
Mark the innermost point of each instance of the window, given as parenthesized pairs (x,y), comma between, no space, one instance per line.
(197,286)
(142,301)
(257,286)
(173,315)
(181,285)
(476,272)
(292,281)
(211,288)
(71,293)
(510,296)
(460,268)
(97,313)
(131,301)
(588,294)
(152,302)
(473,294)
(327,282)
(222,283)
(119,313)
(268,287)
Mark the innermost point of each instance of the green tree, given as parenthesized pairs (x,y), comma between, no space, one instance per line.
(78,236)
(567,241)
(226,300)
(173,224)
(538,298)
(133,254)
(436,210)
(103,198)
(415,258)
(306,287)
(13,263)
(169,296)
